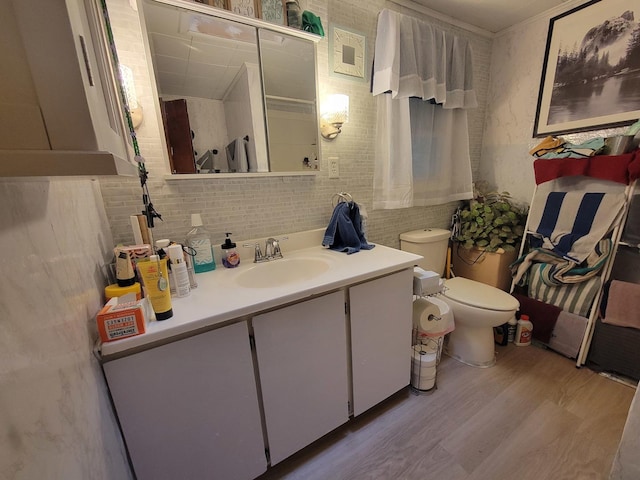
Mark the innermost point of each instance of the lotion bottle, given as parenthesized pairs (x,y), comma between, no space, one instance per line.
(199,240)
(180,275)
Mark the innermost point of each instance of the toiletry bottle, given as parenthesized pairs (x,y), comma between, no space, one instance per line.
(199,240)
(512,325)
(162,252)
(156,285)
(125,275)
(180,275)
(523,331)
(230,256)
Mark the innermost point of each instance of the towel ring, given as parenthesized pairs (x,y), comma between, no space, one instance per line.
(341,197)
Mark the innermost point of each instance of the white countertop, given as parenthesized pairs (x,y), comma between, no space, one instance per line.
(218,298)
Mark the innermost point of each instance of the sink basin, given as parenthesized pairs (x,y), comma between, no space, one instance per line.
(282,272)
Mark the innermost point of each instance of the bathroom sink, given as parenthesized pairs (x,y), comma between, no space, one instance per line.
(282,272)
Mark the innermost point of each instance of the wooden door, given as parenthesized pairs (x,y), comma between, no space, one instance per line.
(178,133)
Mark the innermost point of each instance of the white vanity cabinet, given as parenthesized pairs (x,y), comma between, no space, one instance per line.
(60,105)
(303,368)
(189,409)
(381,322)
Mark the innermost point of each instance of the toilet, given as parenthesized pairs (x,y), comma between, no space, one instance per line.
(476,307)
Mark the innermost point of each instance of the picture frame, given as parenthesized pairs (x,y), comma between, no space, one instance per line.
(347,51)
(591,70)
(247,8)
(214,3)
(273,11)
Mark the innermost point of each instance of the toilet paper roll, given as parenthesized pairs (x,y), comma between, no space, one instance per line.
(424,356)
(422,309)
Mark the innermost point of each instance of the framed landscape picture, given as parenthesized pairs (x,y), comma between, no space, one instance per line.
(591,72)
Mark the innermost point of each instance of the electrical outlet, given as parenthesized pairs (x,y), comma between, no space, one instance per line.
(334,167)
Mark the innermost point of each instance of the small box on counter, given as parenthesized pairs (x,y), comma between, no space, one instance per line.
(136,252)
(122,317)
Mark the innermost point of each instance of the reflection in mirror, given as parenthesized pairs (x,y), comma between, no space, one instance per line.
(290,97)
(208,76)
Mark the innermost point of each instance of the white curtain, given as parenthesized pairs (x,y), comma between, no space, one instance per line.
(423,80)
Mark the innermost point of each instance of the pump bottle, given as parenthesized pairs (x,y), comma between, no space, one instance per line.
(230,256)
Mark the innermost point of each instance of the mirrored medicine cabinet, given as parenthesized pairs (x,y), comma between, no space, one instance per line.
(236,95)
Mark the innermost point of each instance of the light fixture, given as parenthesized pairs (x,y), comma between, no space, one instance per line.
(335,113)
(135,109)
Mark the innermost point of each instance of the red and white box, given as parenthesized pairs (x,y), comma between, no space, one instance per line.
(122,318)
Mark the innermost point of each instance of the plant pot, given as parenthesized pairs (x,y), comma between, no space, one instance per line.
(477,264)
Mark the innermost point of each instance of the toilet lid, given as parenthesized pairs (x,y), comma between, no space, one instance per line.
(476,294)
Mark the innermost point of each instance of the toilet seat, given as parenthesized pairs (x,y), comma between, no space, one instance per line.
(479,295)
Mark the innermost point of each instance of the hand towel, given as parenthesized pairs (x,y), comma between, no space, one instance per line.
(568,334)
(237,156)
(542,315)
(623,304)
(344,232)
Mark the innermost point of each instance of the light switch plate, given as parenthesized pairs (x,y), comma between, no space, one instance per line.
(334,167)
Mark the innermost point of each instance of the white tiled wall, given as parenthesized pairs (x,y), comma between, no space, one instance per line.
(251,207)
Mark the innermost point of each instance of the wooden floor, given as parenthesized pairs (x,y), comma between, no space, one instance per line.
(532,416)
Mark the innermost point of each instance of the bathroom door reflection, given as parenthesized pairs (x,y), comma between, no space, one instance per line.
(289,79)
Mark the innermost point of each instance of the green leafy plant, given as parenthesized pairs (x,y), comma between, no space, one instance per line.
(491,222)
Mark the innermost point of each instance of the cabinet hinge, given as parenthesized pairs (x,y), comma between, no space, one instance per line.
(267,454)
(346,308)
(252,341)
(349,408)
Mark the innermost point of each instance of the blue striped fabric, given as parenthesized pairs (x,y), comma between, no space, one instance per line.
(570,224)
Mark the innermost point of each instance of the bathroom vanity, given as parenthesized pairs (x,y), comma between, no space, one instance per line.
(247,372)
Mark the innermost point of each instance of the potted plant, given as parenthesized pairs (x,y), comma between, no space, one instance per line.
(487,234)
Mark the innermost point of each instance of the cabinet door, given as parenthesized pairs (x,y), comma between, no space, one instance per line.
(380,313)
(302,363)
(189,409)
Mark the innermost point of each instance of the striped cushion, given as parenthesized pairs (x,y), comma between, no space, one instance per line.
(574,298)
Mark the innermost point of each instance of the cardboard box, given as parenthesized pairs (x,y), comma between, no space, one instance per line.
(491,268)
(122,317)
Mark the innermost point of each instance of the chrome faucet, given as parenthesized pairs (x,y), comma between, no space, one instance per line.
(272,250)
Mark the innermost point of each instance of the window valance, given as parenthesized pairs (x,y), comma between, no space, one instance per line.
(416,59)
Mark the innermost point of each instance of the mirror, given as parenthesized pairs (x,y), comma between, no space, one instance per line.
(234,98)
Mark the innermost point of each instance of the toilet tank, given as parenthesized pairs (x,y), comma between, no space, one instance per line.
(431,243)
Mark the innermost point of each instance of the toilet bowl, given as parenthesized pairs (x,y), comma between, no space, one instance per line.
(476,307)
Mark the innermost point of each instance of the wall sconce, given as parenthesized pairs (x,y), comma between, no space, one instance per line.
(335,112)
(135,109)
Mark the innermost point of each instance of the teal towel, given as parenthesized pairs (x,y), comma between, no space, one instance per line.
(312,23)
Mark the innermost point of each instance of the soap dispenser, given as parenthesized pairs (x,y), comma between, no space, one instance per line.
(230,256)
